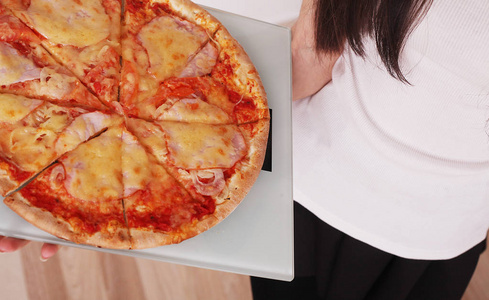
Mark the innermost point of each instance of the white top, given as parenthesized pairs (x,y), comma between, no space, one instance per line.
(404,168)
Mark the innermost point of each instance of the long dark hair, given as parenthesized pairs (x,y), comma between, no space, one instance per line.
(389,22)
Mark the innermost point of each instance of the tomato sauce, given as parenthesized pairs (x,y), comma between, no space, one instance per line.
(163,215)
(83,214)
(14,172)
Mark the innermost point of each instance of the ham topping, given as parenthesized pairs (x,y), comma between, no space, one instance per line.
(208,182)
(202,63)
(15,67)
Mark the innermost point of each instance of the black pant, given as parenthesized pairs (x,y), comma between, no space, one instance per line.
(332,265)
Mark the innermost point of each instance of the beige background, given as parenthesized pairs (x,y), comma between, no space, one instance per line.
(84,274)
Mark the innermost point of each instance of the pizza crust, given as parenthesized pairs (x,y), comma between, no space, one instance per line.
(238,186)
(247,170)
(44,220)
(7,185)
(8,182)
(143,239)
(193,13)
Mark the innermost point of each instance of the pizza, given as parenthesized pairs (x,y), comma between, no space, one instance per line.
(83,35)
(28,69)
(34,133)
(125,125)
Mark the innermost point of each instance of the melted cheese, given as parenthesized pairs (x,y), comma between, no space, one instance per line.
(93,169)
(169,43)
(83,128)
(89,56)
(202,146)
(56,85)
(70,22)
(14,108)
(150,136)
(193,110)
(15,67)
(30,148)
(202,63)
(135,164)
(31,143)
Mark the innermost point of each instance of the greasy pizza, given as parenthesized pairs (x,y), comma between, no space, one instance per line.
(125,125)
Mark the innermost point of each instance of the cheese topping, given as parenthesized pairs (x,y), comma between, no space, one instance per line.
(193,110)
(30,147)
(14,67)
(50,117)
(169,43)
(14,108)
(70,22)
(204,146)
(31,144)
(56,85)
(93,169)
(202,63)
(135,164)
(89,56)
(150,136)
(83,128)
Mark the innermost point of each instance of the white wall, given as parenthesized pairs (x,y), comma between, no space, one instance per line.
(280,12)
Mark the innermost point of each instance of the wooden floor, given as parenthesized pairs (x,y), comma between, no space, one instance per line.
(84,274)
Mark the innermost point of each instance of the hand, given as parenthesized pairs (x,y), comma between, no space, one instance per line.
(8,244)
(310,70)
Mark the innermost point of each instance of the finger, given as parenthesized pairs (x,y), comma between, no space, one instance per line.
(48,250)
(8,244)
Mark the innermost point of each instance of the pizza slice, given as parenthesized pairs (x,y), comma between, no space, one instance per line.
(79,198)
(191,100)
(27,69)
(202,99)
(84,36)
(216,77)
(220,162)
(203,62)
(235,70)
(159,211)
(160,39)
(33,133)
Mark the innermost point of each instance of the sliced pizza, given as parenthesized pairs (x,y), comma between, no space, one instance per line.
(202,62)
(159,44)
(34,133)
(158,72)
(191,100)
(82,35)
(158,209)
(79,198)
(236,72)
(171,158)
(27,69)
(217,161)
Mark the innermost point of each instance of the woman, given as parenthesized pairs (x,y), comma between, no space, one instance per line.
(391,157)
(391,152)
